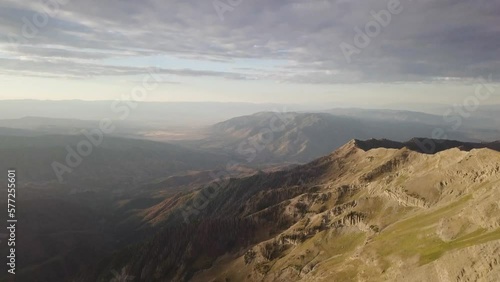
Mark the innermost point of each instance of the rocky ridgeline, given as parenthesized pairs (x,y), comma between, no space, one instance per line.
(424,145)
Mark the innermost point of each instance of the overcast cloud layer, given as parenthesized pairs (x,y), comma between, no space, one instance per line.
(426,41)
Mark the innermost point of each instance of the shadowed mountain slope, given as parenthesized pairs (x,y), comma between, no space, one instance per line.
(115,161)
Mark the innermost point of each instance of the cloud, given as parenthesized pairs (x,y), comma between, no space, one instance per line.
(427,41)
(69,69)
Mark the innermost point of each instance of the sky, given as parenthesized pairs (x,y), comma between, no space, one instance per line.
(364,53)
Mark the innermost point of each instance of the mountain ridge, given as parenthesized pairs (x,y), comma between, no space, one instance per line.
(418,145)
(383,214)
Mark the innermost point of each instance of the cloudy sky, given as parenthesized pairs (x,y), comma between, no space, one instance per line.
(339,51)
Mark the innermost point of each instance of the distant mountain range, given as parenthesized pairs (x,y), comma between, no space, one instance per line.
(189,114)
(159,113)
(276,137)
(301,137)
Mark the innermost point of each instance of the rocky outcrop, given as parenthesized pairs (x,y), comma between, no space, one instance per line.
(405,199)
(338,210)
(351,219)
